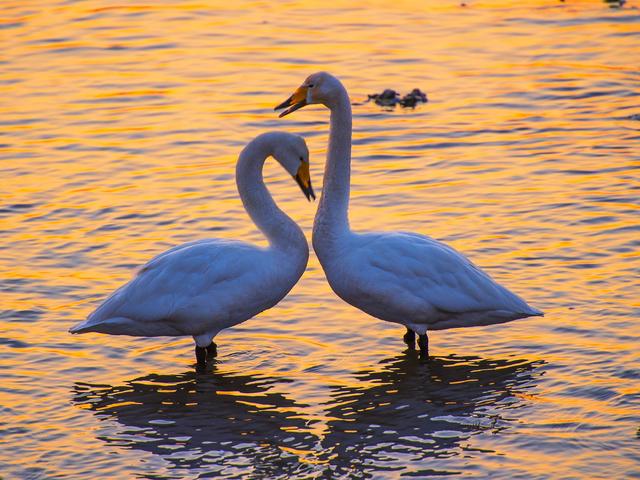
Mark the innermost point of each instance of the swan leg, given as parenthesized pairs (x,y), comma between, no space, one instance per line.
(206,349)
(212,351)
(423,344)
(201,356)
(410,338)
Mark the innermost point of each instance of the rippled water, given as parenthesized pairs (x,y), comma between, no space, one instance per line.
(121,124)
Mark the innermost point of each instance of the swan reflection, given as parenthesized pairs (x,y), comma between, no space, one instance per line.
(218,423)
(411,415)
(405,415)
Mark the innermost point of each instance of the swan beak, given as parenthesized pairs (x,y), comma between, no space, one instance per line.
(304,180)
(294,102)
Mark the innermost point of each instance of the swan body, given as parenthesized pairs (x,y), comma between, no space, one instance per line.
(419,282)
(204,286)
(405,278)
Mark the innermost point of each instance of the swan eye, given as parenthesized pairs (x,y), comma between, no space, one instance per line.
(311,85)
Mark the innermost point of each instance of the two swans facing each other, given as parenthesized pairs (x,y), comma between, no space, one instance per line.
(405,278)
(202,287)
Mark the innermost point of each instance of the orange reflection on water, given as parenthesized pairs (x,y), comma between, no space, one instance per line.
(121,125)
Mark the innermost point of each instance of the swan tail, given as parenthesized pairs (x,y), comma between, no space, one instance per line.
(114,326)
(534,312)
(482,318)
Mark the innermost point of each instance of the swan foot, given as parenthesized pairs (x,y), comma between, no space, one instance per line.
(423,344)
(410,338)
(212,351)
(201,356)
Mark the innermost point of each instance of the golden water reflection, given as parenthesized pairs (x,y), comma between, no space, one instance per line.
(120,127)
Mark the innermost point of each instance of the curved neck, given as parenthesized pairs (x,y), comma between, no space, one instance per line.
(332,217)
(282,232)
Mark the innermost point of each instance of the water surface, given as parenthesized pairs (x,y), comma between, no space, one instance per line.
(121,124)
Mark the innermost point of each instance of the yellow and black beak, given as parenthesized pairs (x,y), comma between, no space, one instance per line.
(294,102)
(303,179)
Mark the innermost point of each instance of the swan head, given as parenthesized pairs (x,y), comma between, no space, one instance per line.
(320,87)
(292,153)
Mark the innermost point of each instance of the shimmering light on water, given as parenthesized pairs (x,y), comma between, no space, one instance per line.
(121,124)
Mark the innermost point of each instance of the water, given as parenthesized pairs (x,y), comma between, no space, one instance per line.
(121,124)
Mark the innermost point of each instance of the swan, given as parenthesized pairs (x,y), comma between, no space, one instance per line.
(400,277)
(204,286)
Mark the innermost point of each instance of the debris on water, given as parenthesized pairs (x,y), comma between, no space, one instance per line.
(391,98)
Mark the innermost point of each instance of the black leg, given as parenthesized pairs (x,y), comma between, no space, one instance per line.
(423,344)
(212,351)
(410,338)
(201,356)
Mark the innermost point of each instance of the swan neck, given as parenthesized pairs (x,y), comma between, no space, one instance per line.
(281,231)
(332,218)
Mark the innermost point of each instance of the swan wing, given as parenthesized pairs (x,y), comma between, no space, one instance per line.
(411,275)
(181,291)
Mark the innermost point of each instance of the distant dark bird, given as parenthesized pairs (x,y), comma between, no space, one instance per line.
(388,98)
(411,99)
(391,98)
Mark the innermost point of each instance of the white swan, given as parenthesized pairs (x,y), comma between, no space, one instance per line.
(399,277)
(202,287)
